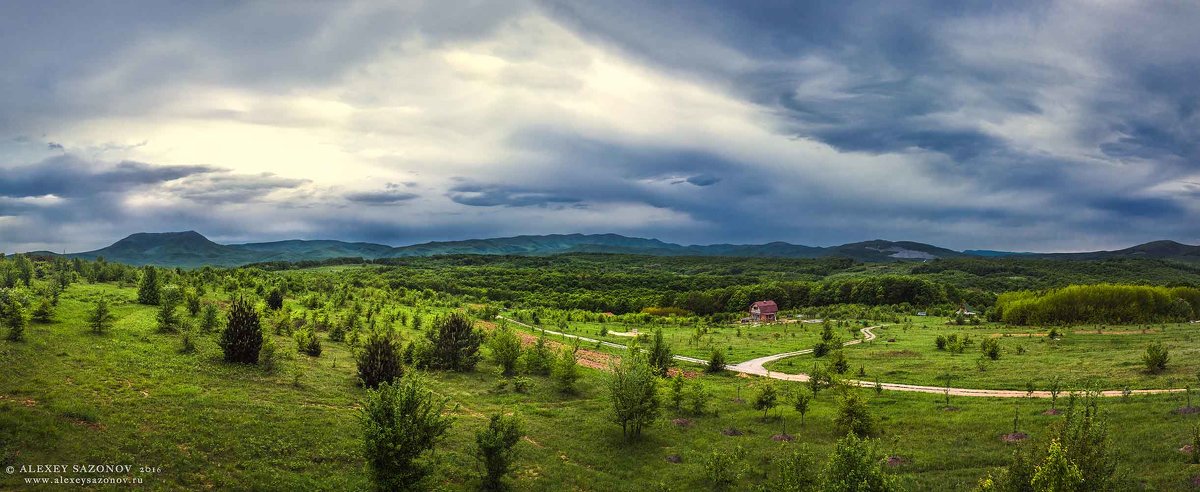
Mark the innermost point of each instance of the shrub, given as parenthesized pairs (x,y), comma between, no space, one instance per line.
(43,313)
(634,389)
(521,384)
(940,341)
(660,354)
(537,360)
(401,421)
(186,343)
(168,322)
(853,416)
(494,447)
(990,348)
(243,337)
(379,360)
(697,398)
(855,465)
(101,318)
(268,355)
(275,299)
(677,391)
(716,362)
(455,343)
(1057,472)
(1156,358)
(725,469)
(797,471)
(565,371)
(308,342)
(838,362)
(148,289)
(191,301)
(818,378)
(766,399)
(209,318)
(14,318)
(505,347)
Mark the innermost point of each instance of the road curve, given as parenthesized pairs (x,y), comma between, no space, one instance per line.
(756,367)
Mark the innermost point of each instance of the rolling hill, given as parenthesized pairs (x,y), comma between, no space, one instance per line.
(191,249)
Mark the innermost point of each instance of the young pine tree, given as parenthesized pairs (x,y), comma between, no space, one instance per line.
(101,317)
(494,447)
(379,361)
(149,290)
(242,338)
(401,421)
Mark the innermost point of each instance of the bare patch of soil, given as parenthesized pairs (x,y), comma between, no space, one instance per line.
(1052,411)
(674,458)
(901,353)
(783,438)
(1187,410)
(682,422)
(950,409)
(587,358)
(1186,449)
(1196,481)
(732,431)
(895,461)
(1014,437)
(672,372)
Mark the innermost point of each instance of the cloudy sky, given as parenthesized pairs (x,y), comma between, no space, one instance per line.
(1048,126)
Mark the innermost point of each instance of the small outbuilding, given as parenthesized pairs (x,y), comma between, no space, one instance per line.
(764,311)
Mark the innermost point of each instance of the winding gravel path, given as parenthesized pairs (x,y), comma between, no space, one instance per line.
(756,367)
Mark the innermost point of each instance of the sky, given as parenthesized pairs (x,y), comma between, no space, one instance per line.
(1029,126)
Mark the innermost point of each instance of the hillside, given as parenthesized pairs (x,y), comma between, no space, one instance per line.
(191,249)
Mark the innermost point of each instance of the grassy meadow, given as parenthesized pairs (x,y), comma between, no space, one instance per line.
(131,397)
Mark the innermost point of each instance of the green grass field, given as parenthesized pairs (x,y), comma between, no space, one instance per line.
(130,397)
(1102,357)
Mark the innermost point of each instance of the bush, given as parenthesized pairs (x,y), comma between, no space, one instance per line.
(677,391)
(724,470)
(797,471)
(43,313)
(698,398)
(838,362)
(521,384)
(14,318)
(660,354)
(855,465)
(455,343)
(853,416)
(209,318)
(537,360)
(940,342)
(506,349)
(1156,358)
(100,319)
(148,289)
(565,371)
(168,322)
(990,348)
(275,299)
(401,422)
(308,342)
(634,389)
(379,361)
(767,398)
(716,362)
(494,447)
(187,344)
(268,355)
(242,338)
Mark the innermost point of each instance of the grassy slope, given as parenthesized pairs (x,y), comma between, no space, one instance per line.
(130,397)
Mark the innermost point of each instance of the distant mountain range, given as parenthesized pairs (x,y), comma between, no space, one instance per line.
(191,249)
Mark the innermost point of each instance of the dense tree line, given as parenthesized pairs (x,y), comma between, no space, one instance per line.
(1102,303)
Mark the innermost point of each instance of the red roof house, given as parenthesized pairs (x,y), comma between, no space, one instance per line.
(763,311)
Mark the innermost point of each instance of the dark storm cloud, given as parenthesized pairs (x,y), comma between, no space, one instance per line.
(499,195)
(390,195)
(1015,124)
(69,176)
